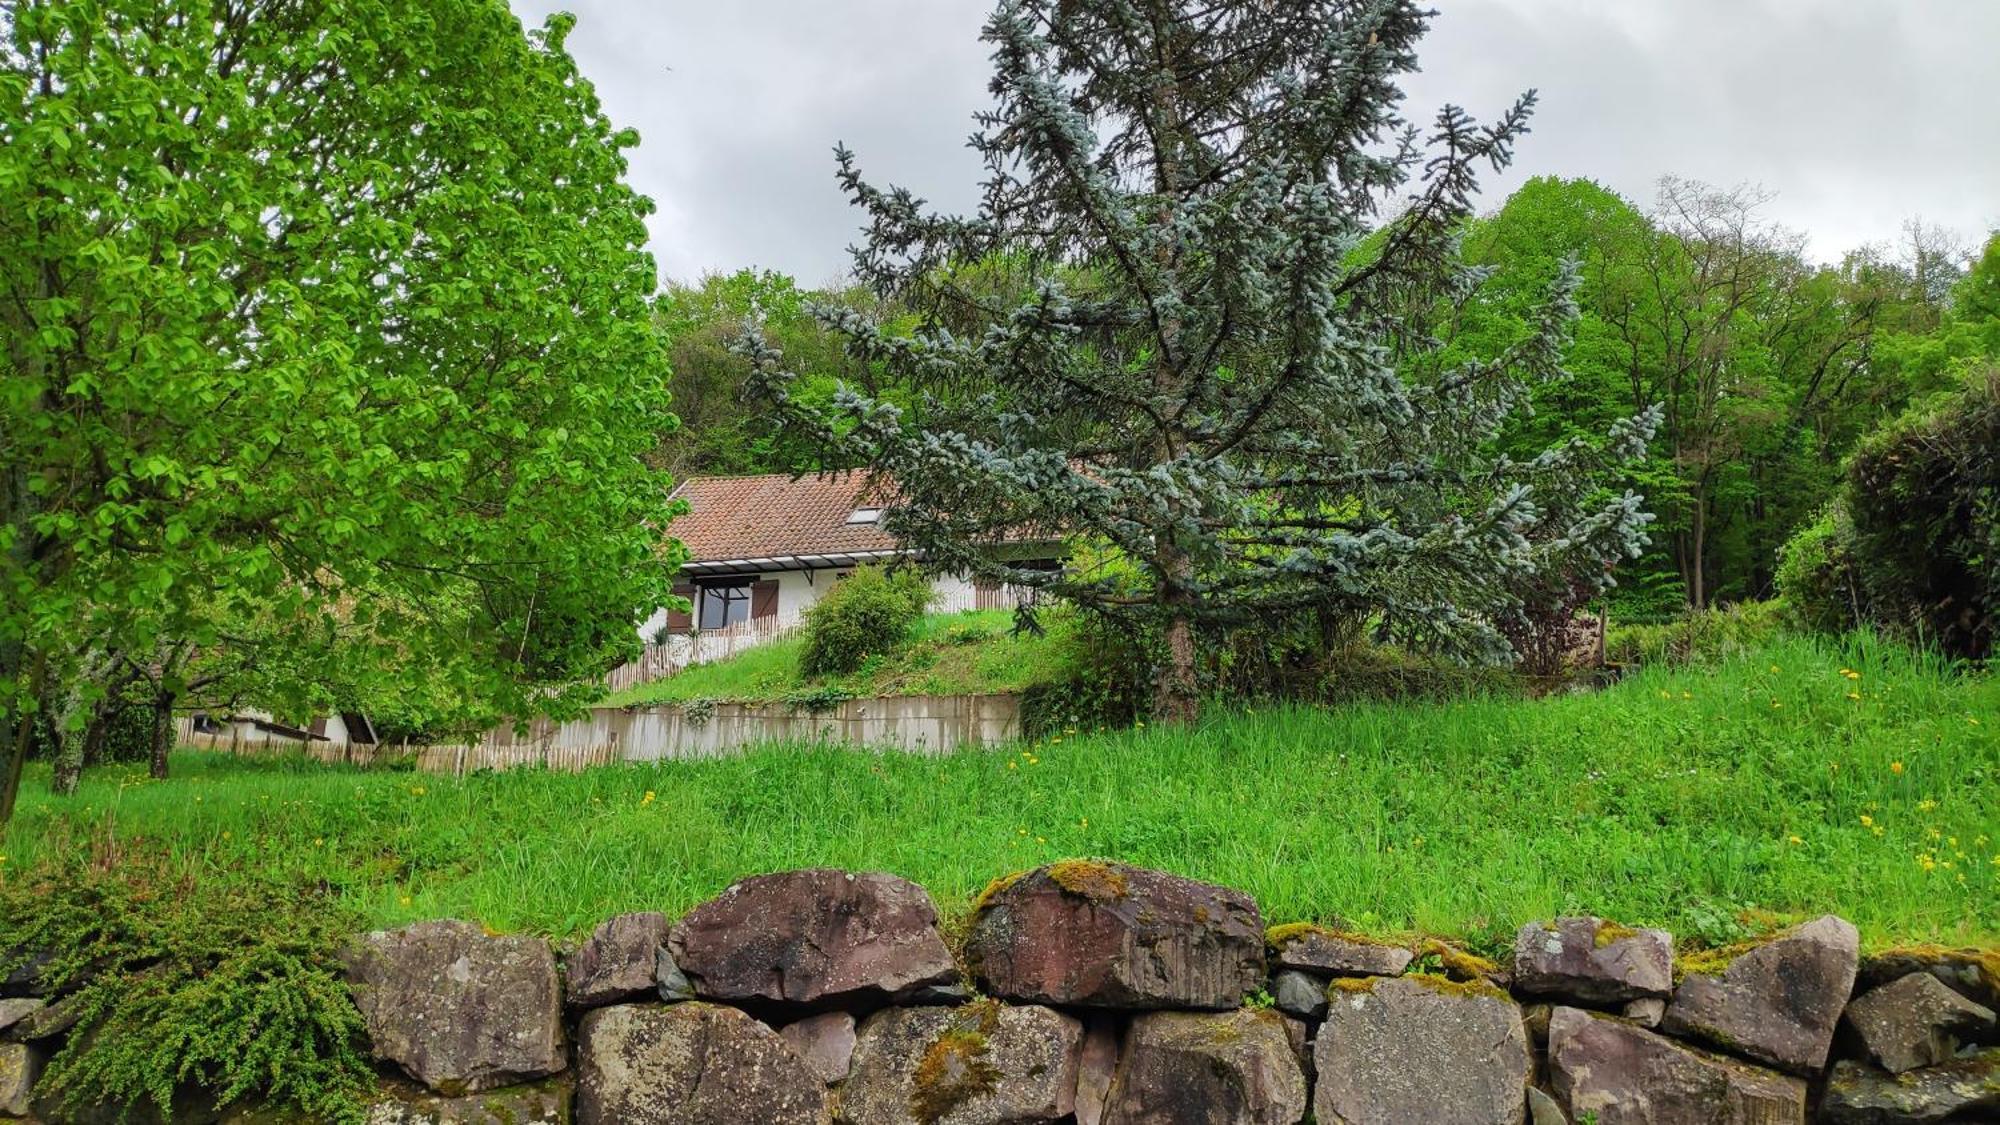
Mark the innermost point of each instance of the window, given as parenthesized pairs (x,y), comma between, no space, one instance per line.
(865,515)
(723,604)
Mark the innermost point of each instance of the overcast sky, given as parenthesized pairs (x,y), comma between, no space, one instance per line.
(1857,113)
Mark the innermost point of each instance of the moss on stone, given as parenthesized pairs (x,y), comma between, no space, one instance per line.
(993,890)
(1458,963)
(1473,987)
(1277,937)
(1611,933)
(953,1071)
(1985,961)
(1089,879)
(1353,984)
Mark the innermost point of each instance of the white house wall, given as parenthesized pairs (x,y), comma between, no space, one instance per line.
(798,590)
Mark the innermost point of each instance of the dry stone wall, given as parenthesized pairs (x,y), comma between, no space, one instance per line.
(1099,994)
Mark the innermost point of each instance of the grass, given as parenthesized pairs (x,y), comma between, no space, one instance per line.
(948,653)
(1706,799)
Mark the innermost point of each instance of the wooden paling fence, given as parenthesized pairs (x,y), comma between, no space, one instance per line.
(657,662)
(455,759)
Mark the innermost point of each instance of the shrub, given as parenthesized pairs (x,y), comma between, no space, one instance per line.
(1924,497)
(1818,579)
(1702,636)
(869,613)
(229,983)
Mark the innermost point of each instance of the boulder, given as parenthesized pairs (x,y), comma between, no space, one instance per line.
(813,940)
(1608,1071)
(48,1020)
(1963,1090)
(1420,1048)
(1319,950)
(1972,973)
(690,1064)
(1544,1109)
(1099,935)
(15,1010)
(979,1064)
(543,1103)
(1592,962)
(457,1009)
(1646,1013)
(1221,1068)
(1914,1021)
(824,1041)
(20,1067)
(619,962)
(1096,1066)
(1776,1001)
(1299,994)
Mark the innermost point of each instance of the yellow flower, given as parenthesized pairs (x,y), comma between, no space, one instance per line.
(1084,823)
(1775,703)
(1139,723)
(1774,667)
(1041,839)
(1926,862)
(416,790)
(1867,821)
(1687,695)
(225,834)
(1854,695)
(647,799)
(1794,840)
(1876,830)
(317,841)
(1895,767)
(1926,805)
(1852,675)
(1012,764)
(403,899)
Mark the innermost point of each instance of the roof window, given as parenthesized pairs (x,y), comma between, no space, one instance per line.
(865,515)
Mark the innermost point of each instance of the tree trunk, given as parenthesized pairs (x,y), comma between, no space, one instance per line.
(163,733)
(1176,699)
(19,727)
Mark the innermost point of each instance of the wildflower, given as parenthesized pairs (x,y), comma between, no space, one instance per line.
(416,790)
(1084,823)
(1877,830)
(1138,724)
(1926,805)
(1852,675)
(3,859)
(1867,821)
(647,799)
(403,900)
(1012,764)
(1774,668)
(1041,839)
(1776,704)
(1854,695)
(317,841)
(225,834)
(1925,861)
(1896,767)
(1687,695)
(1055,741)
(1793,840)
(1020,832)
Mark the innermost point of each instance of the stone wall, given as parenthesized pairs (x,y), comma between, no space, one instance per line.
(1108,995)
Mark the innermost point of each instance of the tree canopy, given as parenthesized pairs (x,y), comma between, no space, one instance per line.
(326,324)
(1219,371)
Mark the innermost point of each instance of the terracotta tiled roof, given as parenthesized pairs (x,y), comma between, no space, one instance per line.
(776,516)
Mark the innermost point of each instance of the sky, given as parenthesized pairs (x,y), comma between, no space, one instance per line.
(1857,114)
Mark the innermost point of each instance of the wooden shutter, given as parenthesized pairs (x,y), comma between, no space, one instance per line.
(682,620)
(763,599)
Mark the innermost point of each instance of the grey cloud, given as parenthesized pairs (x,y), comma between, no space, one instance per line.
(1858,113)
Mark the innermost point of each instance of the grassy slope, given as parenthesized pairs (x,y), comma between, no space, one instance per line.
(948,653)
(1672,799)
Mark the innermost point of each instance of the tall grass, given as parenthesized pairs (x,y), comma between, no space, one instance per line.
(1699,798)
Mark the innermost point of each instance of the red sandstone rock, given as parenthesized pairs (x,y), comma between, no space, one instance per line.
(1108,936)
(1625,1075)
(1222,1068)
(818,938)
(1776,1002)
(1395,1050)
(1590,961)
(690,1064)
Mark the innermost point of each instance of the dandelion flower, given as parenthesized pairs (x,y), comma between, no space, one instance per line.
(1793,840)
(1896,767)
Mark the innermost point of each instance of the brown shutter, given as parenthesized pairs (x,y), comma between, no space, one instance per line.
(763,599)
(682,620)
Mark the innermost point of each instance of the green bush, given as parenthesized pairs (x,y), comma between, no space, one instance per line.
(1924,497)
(1702,636)
(1818,578)
(868,614)
(225,983)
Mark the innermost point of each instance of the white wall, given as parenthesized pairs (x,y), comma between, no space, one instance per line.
(799,589)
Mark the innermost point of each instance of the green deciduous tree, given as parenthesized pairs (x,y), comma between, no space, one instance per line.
(320,320)
(1208,376)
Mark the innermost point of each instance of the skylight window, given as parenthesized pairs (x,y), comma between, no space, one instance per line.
(865,515)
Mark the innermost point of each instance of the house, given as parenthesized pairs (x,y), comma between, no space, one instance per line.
(762,549)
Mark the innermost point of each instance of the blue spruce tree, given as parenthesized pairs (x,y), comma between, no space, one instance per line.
(1188,328)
